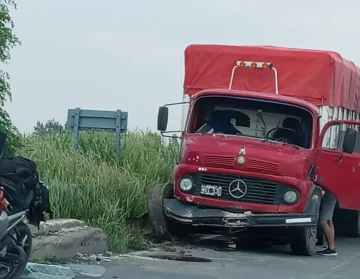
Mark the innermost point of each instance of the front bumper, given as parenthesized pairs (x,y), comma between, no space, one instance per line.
(213,217)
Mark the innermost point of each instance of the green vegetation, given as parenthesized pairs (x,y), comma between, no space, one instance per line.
(91,184)
(8,41)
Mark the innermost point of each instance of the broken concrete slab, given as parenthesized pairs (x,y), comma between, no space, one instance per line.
(63,239)
(53,226)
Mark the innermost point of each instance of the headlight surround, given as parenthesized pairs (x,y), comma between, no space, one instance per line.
(290,196)
(186,184)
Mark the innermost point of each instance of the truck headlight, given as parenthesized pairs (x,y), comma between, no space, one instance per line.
(186,183)
(290,196)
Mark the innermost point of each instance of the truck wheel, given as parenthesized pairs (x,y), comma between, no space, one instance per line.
(320,235)
(157,216)
(163,228)
(303,240)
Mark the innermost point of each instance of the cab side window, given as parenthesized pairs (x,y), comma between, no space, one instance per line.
(342,137)
(333,137)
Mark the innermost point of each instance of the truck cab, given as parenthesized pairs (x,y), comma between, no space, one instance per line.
(250,163)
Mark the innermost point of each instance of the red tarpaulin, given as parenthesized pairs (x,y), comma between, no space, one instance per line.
(321,77)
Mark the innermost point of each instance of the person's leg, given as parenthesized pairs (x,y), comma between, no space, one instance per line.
(326,215)
(330,234)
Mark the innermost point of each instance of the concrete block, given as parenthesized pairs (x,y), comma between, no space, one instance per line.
(67,243)
(56,225)
(63,239)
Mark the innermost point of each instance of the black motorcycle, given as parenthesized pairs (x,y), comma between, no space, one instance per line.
(22,196)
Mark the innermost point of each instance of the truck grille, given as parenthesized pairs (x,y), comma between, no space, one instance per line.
(258,191)
(262,166)
(218,161)
(251,165)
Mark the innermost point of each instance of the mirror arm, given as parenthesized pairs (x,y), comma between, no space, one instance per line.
(174,104)
(167,132)
(164,131)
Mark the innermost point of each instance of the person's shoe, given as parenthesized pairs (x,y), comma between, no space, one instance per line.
(327,252)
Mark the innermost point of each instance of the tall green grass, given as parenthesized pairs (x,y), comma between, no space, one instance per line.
(93,185)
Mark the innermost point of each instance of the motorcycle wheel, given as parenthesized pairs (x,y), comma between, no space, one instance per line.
(21,237)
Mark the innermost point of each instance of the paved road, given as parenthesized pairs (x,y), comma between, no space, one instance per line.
(268,263)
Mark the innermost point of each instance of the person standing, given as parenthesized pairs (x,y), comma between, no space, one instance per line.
(326,216)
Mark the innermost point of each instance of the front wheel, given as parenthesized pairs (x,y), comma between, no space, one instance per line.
(20,245)
(157,215)
(164,228)
(303,240)
(320,235)
(23,236)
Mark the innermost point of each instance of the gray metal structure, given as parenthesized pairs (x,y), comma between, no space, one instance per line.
(89,120)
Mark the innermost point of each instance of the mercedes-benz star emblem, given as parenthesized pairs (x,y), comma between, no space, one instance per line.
(237,188)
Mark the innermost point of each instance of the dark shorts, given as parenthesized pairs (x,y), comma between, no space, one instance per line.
(327,207)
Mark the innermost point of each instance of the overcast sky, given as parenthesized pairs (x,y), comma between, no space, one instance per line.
(128,54)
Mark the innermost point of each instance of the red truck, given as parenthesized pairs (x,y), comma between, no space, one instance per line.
(266,131)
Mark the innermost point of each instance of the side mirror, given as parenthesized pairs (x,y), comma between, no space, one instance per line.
(349,140)
(163,116)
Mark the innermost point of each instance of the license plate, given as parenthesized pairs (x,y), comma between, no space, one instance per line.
(211,190)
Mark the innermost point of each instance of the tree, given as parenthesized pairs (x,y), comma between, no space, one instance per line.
(51,126)
(8,41)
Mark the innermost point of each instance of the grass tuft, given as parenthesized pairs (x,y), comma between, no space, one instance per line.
(93,185)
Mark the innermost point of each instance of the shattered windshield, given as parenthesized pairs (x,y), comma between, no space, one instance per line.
(252,118)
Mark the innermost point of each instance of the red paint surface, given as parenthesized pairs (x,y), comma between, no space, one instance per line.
(302,186)
(264,160)
(320,77)
(307,79)
(273,161)
(339,172)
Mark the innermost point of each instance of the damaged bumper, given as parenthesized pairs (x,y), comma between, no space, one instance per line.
(193,215)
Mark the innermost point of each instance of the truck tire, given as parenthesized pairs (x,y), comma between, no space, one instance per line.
(320,235)
(163,228)
(157,216)
(303,240)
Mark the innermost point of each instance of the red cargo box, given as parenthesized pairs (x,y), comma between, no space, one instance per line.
(320,77)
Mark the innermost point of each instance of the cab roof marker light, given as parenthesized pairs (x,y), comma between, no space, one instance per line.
(258,65)
(255,65)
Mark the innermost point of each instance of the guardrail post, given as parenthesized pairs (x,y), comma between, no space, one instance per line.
(118,132)
(76,128)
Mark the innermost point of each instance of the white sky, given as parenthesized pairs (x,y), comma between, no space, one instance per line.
(128,54)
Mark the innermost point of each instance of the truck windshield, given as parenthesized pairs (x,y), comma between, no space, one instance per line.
(252,118)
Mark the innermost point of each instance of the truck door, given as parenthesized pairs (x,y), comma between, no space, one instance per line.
(337,162)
